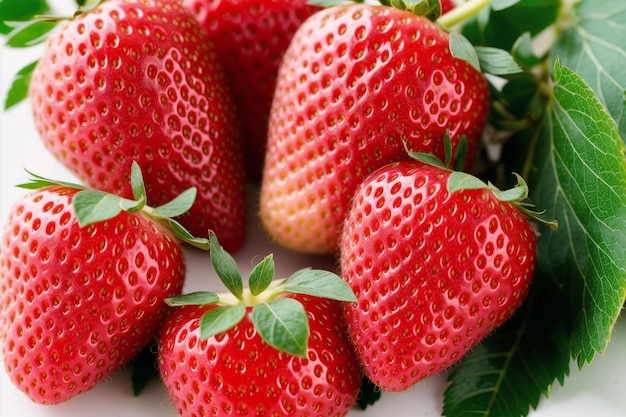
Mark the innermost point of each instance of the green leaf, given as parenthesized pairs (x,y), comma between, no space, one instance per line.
(220,319)
(37,181)
(508,372)
(178,206)
(501,27)
(193,298)
(462,181)
(283,324)
(523,52)
(225,267)
(30,33)
(93,206)
(137,183)
(20,10)
(183,234)
(19,87)
(594,47)
(496,61)
(579,176)
(319,283)
(262,275)
(461,48)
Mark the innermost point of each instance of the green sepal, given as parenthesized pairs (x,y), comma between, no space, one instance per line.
(461,48)
(283,324)
(93,206)
(430,9)
(220,319)
(262,275)
(30,33)
(19,87)
(319,283)
(37,181)
(178,206)
(496,61)
(193,299)
(183,234)
(225,267)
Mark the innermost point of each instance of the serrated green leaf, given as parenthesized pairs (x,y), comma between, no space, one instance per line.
(225,267)
(193,298)
(220,319)
(93,206)
(508,372)
(579,176)
(594,47)
(178,206)
(30,33)
(262,275)
(496,61)
(283,324)
(19,88)
(319,283)
(461,48)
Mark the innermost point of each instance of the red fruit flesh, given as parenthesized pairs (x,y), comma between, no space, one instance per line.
(355,82)
(124,83)
(76,304)
(237,373)
(251,37)
(434,272)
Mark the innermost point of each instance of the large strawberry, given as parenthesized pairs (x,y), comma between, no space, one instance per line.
(82,284)
(276,349)
(437,261)
(251,37)
(140,80)
(355,82)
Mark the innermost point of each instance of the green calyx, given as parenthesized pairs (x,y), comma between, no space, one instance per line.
(459,180)
(281,322)
(94,206)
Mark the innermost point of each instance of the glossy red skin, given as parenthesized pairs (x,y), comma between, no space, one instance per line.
(236,373)
(78,303)
(353,84)
(122,83)
(434,272)
(251,37)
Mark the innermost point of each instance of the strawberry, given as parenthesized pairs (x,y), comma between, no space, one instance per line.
(355,82)
(437,260)
(140,80)
(251,37)
(82,284)
(277,349)
(447,5)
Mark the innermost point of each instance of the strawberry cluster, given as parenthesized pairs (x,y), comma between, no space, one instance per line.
(166,110)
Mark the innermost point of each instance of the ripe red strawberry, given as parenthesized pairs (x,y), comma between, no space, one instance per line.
(355,82)
(251,37)
(140,80)
(434,269)
(77,301)
(277,349)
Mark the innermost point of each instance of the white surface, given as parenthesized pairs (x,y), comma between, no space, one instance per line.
(600,389)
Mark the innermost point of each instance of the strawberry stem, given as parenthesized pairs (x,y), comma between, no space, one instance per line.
(462,12)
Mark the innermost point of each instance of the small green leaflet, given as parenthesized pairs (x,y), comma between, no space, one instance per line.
(20,10)
(93,206)
(31,33)
(595,49)
(19,87)
(220,319)
(580,178)
(195,298)
(262,275)
(319,283)
(496,61)
(178,206)
(283,324)
(225,267)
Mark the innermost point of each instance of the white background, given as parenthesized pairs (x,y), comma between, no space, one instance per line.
(599,389)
